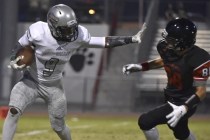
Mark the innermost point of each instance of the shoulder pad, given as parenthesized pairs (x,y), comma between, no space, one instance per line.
(84,34)
(35,31)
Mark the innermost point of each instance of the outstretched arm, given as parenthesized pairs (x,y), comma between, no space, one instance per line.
(152,64)
(115,41)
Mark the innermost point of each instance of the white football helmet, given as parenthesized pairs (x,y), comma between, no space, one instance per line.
(63,23)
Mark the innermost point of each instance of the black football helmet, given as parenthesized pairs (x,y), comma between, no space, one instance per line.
(180,34)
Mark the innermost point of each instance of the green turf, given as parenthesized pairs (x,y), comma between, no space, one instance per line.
(100,127)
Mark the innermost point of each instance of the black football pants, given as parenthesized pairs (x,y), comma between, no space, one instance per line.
(158,115)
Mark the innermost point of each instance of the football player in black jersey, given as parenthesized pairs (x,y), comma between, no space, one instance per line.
(187,67)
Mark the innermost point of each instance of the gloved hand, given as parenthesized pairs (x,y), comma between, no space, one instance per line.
(129,68)
(176,114)
(13,63)
(137,38)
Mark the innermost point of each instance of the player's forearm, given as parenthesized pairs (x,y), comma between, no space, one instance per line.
(156,63)
(152,64)
(115,41)
(196,98)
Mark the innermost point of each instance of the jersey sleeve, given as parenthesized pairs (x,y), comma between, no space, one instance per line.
(201,64)
(201,73)
(84,35)
(33,34)
(97,42)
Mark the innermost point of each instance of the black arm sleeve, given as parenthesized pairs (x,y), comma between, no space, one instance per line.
(193,101)
(114,41)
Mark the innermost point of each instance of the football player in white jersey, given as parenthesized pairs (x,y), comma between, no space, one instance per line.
(53,42)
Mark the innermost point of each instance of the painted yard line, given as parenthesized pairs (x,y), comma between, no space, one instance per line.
(36,132)
(30,133)
(121,124)
(81,126)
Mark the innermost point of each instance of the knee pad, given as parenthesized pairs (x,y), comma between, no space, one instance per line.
(14,111)
(144,122)
(181,135)
(57,124)
(181,131)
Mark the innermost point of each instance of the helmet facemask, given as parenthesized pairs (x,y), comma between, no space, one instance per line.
(176,46)
(67,33)
(172,47)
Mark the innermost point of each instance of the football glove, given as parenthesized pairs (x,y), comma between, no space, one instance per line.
(13,63)
(129,68)
(137,38)
(177,113)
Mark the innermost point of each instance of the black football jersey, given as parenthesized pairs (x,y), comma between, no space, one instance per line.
(185,72)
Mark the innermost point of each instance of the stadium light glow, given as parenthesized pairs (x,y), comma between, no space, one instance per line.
(91,11)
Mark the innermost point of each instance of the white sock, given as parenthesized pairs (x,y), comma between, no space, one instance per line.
(151,134)
(64,134)
(191,137)
(10,125)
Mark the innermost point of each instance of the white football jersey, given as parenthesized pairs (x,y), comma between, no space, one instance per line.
(50,55)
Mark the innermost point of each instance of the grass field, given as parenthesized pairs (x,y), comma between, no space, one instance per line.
(100,127)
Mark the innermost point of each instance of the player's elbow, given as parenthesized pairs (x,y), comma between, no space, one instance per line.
(201,92)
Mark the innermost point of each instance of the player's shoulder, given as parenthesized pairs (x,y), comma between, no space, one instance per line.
(84,34)
(38,26)
(37,29)
(197,51)
(197,56)
(82,28)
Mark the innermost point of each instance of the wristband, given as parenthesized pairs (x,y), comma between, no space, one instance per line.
(193,101)
(145,66)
